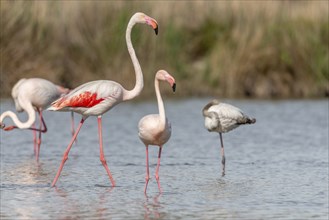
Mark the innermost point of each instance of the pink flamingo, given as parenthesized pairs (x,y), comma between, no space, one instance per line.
(155,129)
(30,94)
(97,97)
(222,118)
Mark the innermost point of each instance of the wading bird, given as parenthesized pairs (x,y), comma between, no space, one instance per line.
(97,97)
(222,118)
(155,129)
(32,95)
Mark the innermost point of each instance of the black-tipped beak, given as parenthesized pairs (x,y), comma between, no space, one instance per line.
(156,30)
(174,87)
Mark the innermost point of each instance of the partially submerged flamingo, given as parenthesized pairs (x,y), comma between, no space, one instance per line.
(30,95)
(97,97)
(155,129)
(222,118)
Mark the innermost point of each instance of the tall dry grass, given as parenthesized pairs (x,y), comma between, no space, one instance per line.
(258,49)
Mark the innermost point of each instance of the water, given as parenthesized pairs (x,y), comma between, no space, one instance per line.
(275,169)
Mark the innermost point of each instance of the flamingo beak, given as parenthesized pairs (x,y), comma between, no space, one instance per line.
(9,128)
(152,22)
(174,87)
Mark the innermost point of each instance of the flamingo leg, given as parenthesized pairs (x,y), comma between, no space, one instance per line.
(72,123)
(101,156)
(39,138)
(34,139)
(157,169)
(222,153)
(72,126)
(66,153)
(44,128)
(147,178)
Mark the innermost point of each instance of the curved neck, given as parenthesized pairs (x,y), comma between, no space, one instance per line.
(130,94)
(31,118)
(205,110)
(160,104)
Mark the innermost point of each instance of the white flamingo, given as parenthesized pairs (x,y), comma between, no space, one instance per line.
(155,129)
(222,118)
(30,95)
(97,97)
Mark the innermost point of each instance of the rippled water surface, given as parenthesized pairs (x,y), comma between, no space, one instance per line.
(275,169)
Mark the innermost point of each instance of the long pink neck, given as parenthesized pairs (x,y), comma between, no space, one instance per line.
(130,94)
(162,113)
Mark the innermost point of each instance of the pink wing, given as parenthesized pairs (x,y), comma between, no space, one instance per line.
(85,99)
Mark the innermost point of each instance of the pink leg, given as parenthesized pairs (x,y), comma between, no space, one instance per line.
(147,178)
(72,126)
(34,139)
(43,129)
(72,123)
(101,156)
(157,169)
(40,130)
(222,153)
(66,153)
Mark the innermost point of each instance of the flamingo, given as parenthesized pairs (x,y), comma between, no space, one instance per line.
(30,94)
(222,118)
(155,129)
(97,97)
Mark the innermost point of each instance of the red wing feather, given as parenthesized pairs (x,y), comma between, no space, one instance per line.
(85,99)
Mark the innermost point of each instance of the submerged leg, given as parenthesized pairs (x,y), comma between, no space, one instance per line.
(222,153)
(66,153)
(101,156)
(157,169)
(147,178)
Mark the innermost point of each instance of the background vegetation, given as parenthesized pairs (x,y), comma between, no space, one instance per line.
(257,49)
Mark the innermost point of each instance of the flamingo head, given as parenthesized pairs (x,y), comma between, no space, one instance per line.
(214,102)
(140,17)
(2,125)
(61,90)
(165,76)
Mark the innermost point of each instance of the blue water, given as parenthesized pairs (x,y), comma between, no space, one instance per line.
(275,169)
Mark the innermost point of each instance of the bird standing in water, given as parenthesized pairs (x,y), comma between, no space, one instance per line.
(155,129)
(222,118)
(30,95)
(97,97)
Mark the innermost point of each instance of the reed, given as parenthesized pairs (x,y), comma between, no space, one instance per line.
(260,49)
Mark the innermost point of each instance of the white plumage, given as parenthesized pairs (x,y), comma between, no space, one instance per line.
(91,99)
(149,131)
(155,129)
(97,97)
(30,95)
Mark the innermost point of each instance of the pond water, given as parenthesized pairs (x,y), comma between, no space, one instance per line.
(275,169)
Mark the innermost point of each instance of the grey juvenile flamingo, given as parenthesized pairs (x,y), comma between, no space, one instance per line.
(222,118)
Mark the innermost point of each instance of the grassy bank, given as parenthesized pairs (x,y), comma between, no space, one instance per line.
(261,49)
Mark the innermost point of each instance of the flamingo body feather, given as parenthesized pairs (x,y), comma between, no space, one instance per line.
(149,132)
(92,98)
(228,117)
